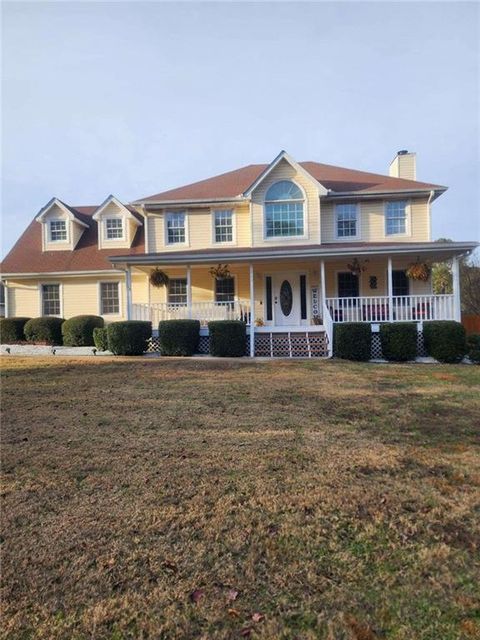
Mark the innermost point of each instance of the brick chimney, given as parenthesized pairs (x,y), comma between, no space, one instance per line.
(404,165)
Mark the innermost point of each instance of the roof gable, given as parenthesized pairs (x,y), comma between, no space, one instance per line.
(69,212)
(283,155)
(121,207)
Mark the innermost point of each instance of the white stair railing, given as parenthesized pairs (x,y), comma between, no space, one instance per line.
(328,324)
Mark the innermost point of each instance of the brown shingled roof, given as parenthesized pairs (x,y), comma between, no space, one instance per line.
(27,256)
(337,179)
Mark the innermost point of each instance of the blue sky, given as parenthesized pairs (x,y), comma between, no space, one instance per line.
(133,98)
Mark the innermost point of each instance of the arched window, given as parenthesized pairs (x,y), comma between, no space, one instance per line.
(284,210)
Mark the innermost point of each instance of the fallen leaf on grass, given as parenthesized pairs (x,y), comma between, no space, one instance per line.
(257,617)
(246,632)
(234,613)
(232,595)
(196,595)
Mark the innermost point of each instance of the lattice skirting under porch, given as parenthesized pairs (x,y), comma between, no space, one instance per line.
(271,345)
(376,349)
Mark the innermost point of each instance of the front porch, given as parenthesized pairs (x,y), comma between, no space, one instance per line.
(292,303)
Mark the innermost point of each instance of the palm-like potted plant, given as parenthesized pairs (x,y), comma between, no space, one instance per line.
(418,271)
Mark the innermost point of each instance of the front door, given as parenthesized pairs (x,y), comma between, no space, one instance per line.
(286,299)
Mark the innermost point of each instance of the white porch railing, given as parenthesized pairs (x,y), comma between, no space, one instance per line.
(404,308)
(202,311)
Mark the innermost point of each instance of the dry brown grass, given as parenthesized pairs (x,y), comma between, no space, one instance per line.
(211,499)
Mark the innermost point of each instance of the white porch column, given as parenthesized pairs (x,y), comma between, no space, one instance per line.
(323,286)
(457,309)
(128,286)
(252,311)
(189,291)
(390,289)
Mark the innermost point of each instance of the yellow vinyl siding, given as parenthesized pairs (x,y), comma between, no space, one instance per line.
(23,298)
(199,229)
(372,222)
(284,171)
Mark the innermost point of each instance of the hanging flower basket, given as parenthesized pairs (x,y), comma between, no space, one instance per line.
(356,268)
(418,271)
(158,278)
(220,272)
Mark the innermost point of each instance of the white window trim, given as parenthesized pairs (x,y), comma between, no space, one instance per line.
(49,231)
(165,226)
(105,232)
(408,219)
(167,290)
(40,297)
(305,213)
(231,242)
(235,291)
(120,298)
(358,235)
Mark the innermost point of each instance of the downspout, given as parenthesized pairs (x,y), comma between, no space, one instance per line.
(5,289)
(128,286)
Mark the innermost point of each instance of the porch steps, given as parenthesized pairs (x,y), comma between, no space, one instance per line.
(291,344)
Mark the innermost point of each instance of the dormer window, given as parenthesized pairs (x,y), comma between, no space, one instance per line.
(58,231)
(114,228)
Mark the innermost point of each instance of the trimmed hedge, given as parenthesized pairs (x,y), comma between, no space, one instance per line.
(11,330)
(129,338)
(445,340)
(179,337)
(399,341)
(352,341)
(100,338)
(473,345)
(44,329)
(227,338)
(78,331)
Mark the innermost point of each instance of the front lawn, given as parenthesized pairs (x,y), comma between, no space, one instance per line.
(184,499)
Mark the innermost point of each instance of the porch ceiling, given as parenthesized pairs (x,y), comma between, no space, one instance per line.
(430,250)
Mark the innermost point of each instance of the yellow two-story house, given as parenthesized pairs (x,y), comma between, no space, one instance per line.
(289,247)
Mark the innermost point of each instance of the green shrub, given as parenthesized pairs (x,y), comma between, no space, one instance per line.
(352,341)
(100,338)
(399,341)
(129,338)
(44,329)
(473,345)
(445,340)
(178,337)
(78,331)
(227,338)
(11,330)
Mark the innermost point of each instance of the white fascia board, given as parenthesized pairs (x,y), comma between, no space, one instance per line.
(112,199)
(283,155)
(55,201)
(369,195)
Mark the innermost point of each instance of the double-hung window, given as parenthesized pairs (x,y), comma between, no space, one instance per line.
(346,220)
(176,227)
(284,210)
(223,220)
(177,291)
(58,230)
(224,290)
(109,298)
(51,300)
(114,228)
(396,218)
(400,284)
